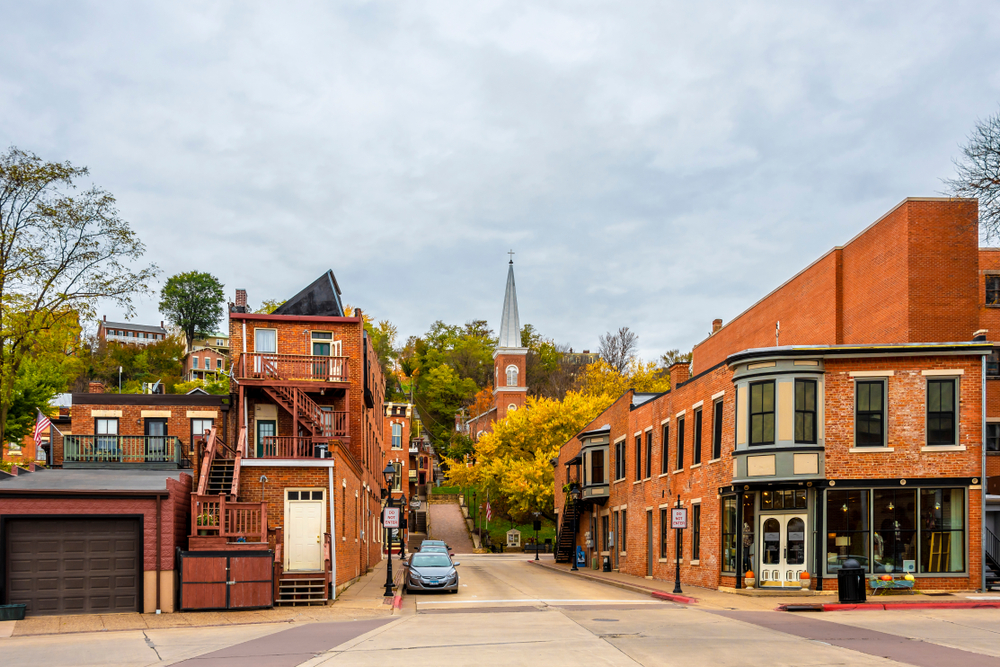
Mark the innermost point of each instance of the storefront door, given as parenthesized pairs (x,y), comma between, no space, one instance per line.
(782,549)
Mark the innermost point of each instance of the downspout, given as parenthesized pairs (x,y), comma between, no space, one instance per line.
(982,487)
(333,537)
(246,422)
(158,556)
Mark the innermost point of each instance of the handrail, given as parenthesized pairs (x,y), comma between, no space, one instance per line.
(241,451)
(273,366)
(127,449)
(233,520)
(206,462)
(288,446)
(992,546)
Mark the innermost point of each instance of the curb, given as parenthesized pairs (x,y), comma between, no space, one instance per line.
(888,606)
(660,595)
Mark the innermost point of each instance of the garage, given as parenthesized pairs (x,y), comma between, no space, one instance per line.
(73,565)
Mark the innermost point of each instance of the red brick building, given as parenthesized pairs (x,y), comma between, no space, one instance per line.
(844,415)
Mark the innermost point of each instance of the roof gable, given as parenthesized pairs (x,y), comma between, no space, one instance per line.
(321,298)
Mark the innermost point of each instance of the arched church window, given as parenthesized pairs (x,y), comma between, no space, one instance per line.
(512,376)
(511,408)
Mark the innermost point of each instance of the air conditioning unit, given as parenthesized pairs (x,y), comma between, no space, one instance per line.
(322,451)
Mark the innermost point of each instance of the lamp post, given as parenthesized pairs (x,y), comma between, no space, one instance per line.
(403,511)
(390,477)
(575,495)
(536,526)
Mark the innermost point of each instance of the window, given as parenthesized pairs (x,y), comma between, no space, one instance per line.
(316,335)
(623,545)
(194,363)
(665,448)
(783,500)
(993,437)
(198,429)
(265,340)
(993,290)
(696,458)
(620,460)
(869,420)
(218,342)
(993,365)
(597,466)
(605,535)
(728,534)
(941,413)
(696,532)
(638,457)
(397,436)
(680,443)
(512,376)
(762,413)
(649,453)
(942,530)
(218,364)
(805,411)
(511,408)
(894,529)
(846,528)
(664,531)
(717,429)
(397,481)
(106,431)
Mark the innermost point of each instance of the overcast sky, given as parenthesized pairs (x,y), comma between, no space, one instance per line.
(652,164)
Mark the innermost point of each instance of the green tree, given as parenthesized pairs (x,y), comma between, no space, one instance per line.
(162,360)
(192,302)
(270,305)
(60,252)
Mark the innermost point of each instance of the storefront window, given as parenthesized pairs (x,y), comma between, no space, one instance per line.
(729,534)
(942,530)
(847,528)
(777,500)
(749,521)
(894,527)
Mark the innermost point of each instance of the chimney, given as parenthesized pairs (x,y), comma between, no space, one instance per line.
(105,318)
(679,372)
(161,324)
(96,388)
(357,314)
(716,324)
(980,336)
(241,300)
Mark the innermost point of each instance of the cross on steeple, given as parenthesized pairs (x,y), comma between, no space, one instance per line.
(511,253)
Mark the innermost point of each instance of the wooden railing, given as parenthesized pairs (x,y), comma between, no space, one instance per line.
(241,453)
(206,461)
(237,522)
(287,447)
(268,366)
(125,449)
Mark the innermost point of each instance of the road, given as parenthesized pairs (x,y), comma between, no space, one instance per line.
(510,612)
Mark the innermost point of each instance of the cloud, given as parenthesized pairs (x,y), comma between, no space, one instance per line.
(653,165)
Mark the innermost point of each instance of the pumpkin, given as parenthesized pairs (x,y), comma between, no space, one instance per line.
(804,575)
(886,577)
(908,577)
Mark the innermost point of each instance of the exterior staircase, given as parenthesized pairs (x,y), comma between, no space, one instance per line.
(302,590)
(297,403)
(567,533)
(992,564)
(220,476)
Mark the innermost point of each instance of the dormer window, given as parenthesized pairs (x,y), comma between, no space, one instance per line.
(512,376)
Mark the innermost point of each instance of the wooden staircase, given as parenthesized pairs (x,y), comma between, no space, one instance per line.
(308,414)
(567,533)
(220,476)
(302,590)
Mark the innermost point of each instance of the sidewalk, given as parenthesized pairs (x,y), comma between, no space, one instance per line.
(707,598)
(362,600)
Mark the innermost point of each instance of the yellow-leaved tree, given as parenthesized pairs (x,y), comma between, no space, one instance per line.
(514,461)
(600,378)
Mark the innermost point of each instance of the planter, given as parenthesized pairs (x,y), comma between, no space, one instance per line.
(202,531)
(749,579)
(804,580)
(12,612)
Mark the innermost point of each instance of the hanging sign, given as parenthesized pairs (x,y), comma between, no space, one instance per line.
(390,517)
(678,518)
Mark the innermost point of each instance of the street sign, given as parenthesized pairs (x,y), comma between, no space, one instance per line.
(678,518)
(390,517)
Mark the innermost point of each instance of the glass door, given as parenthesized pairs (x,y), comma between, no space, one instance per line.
(156,441)
(782,550)
(267,429)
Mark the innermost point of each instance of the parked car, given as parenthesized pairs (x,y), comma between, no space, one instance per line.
(435,543)
(433,548)
(430,571)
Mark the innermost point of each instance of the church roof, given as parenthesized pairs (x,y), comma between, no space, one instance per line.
(510,323)
(321,298)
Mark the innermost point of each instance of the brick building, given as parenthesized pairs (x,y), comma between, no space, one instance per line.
(204,364)
(842,415)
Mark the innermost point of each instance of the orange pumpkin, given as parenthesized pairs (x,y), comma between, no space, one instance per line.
(886,577)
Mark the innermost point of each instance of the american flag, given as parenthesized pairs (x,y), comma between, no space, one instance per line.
(41,423)
(489,511)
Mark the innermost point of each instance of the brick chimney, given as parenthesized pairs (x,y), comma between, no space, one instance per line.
(679,372)
(96,388)
(241,300)
(716,324)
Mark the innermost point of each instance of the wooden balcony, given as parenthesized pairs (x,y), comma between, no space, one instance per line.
(290,447)
(103,451)
(295,367)
(230,522)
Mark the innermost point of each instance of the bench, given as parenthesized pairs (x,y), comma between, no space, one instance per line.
(894,585)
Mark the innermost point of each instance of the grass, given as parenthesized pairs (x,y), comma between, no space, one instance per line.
(500,525)
(445,490)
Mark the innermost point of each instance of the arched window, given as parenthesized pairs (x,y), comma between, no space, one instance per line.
(512,376)
(511,408)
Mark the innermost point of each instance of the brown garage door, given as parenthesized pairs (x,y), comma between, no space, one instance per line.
(73,566)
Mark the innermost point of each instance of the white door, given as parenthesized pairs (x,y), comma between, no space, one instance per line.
(304,523)
(782,550)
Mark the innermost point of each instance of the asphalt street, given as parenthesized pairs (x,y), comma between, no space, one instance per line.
(509,612)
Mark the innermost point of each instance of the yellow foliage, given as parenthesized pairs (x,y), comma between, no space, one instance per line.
(600,379)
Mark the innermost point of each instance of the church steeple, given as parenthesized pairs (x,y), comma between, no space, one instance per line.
(510,323)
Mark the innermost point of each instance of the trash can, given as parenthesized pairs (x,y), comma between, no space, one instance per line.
(607,563)
(321,451)
(851,582)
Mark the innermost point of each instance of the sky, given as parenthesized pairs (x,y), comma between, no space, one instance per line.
(651,164)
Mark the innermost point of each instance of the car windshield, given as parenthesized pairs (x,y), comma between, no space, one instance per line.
(433,543)
(436,550)
(431,560)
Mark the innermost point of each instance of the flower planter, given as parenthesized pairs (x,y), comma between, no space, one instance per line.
(749,579)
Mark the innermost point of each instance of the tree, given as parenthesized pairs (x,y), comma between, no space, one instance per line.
(192,302)
(602,379)
(268,306)
(979,174)
(618,349)
(60,252)
(160,361)
(514,461)
(671,357)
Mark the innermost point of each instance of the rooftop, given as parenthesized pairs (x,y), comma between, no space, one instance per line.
(90,480)
(132,327)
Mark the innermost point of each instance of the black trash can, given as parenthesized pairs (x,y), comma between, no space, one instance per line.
(607,563)
(851,582)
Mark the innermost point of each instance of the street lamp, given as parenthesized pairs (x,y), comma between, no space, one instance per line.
(403,511)
(390,477)
(575,495)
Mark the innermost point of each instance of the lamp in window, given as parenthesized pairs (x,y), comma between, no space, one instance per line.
(843,543)
(891,507)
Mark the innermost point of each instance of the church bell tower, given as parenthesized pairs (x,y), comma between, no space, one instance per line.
(510,384)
